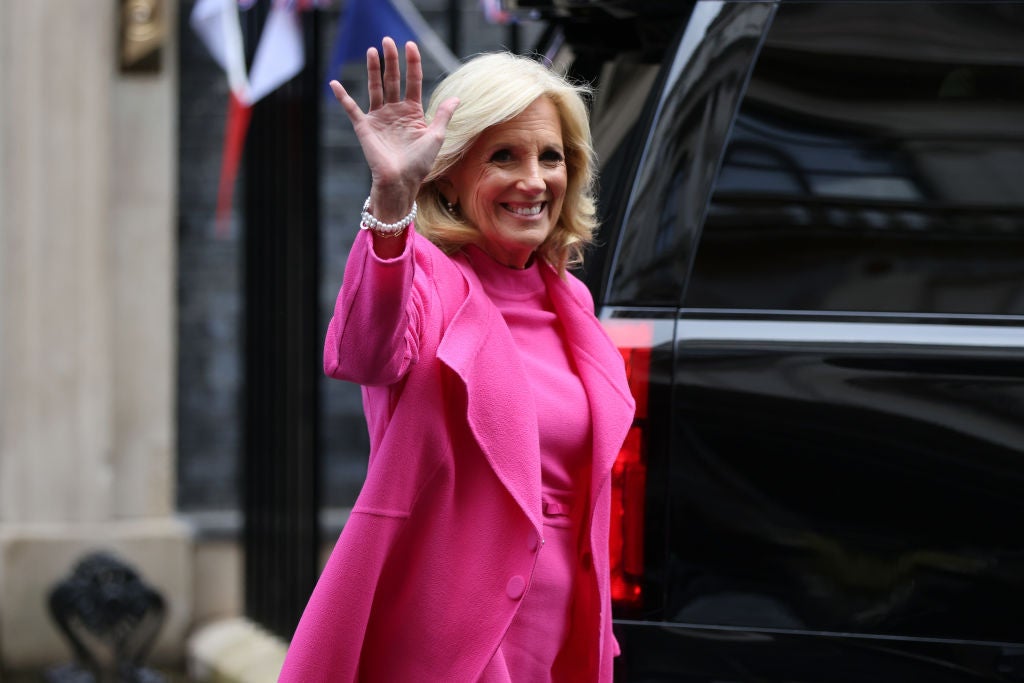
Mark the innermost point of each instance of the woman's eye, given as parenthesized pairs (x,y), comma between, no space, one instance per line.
(501,155)
(552,157)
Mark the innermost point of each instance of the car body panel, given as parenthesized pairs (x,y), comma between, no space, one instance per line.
(818,219)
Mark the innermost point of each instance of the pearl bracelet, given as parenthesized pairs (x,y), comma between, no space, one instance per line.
(369,222)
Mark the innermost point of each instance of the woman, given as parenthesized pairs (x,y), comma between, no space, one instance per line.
(496,404)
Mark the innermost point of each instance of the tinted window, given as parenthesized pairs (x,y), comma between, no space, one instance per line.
(875,165)
(702,87)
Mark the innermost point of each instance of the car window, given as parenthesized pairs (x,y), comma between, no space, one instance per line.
(875,165)
(702,88)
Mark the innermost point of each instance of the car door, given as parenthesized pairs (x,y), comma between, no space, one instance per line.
(830,212)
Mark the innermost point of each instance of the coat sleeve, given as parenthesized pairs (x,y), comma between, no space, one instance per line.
(373,336)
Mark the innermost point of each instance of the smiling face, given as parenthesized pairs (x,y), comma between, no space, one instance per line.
(511,183)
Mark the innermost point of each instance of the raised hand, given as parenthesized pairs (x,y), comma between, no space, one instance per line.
(398,143)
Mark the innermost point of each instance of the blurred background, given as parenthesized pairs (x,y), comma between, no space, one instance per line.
(178,194)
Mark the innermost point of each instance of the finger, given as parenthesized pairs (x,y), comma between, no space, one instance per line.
(413,73)
(443,115)
(373,81)
(347,103)
(392,72)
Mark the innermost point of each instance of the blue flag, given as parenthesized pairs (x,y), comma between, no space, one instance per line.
(363,25)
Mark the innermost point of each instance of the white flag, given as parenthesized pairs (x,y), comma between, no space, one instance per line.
(279,53)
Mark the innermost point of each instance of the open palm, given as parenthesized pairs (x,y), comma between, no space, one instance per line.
(398,143)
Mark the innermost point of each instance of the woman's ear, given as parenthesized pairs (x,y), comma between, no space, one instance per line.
(444,185)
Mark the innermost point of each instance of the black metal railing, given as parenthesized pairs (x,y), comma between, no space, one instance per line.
(280,233)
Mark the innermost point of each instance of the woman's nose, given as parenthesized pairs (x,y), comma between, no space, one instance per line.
(530,180)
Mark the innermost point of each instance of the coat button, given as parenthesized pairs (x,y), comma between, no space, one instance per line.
(587,561)
(516,587)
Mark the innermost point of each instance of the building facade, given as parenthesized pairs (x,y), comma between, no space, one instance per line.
(88,159)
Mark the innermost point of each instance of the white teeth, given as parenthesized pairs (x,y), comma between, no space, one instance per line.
(526,210)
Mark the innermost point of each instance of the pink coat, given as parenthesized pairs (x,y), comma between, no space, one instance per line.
(442,541)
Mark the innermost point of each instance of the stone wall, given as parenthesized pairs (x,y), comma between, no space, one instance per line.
(87,343)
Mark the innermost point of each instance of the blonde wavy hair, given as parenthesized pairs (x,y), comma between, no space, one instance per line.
(493,88)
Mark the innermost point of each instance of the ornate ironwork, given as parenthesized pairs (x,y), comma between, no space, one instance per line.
(111,619)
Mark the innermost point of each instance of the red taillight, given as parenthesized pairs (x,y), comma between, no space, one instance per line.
(626,540)
(629,485)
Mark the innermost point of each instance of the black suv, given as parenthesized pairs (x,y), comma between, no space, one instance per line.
(813,260)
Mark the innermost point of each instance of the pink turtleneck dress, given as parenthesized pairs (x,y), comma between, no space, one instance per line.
(541,627)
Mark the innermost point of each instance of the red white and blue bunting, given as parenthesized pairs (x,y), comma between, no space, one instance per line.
(280,56)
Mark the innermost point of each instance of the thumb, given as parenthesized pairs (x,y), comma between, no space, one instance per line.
(443,115)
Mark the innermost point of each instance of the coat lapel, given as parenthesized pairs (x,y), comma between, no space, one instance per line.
(478,347)
(501,412)
(603,374)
